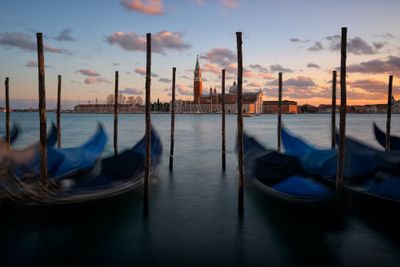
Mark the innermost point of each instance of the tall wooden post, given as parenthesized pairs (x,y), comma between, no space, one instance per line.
(223,123)
(42,111)
(116,114)
(279,112)
(148,125)
(240,122)
(59,112)
(343,103)
(8,141)
(389,114)
(333,111)
(171,150)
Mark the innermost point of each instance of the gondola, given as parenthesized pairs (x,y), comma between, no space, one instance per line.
(64,162)
(380,136)
(119,174)
(15,131)
(282,177)
(378,185)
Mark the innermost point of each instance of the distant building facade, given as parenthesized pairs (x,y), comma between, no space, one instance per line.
(211,103)
(108,108)
(288,107)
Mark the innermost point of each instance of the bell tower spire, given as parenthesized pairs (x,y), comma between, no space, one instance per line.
(197,82)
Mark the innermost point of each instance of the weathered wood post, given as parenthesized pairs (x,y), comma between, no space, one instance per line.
(58,118)
(8,141)
(116,114)
(42,111)
(343,103)
(171,150)
(279,111)
(148,125)
(389,114)
(240,122)
(223,122)
(333,111)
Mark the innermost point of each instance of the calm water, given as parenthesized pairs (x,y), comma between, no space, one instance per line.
(193,217)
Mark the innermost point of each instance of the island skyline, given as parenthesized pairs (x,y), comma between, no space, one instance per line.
(88,49)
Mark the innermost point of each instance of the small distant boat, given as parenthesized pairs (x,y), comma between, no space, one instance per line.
(281,176)
(380,136)
(247,114)
(119,174)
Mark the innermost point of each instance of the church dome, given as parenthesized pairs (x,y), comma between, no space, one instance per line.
(233,88)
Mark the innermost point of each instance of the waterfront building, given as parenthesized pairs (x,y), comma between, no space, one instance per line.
(211,103)
(289,107)
(108,108)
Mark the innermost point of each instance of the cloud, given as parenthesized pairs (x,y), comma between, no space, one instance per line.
(370,85)
(33,64)
(164,80)
(254,84)
(25,43)
(377,66)
(355,45)
(317,46)
(93,80)
(298,40)
(298,82)
(142,71)
(209,67)
(65,35)
(313,65)
(132,91)
(185,77)
(258,67)
(183,90)
(91,73)
(230,3)
(279,68)
(300,87)
(149,7)
(220,56)
(161,41)
(261,75)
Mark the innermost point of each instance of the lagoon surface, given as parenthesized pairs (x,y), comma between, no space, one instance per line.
(193,218)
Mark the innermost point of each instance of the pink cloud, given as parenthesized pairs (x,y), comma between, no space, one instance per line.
(183,89)
(161,41)
(93,80)
(149,7)
(91,73)
(230,3)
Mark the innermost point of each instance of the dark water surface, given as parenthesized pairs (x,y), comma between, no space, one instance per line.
(193,218)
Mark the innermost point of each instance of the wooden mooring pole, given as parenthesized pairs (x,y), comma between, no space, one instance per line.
(223,122)
(116,114)
(240,122)
(148,125)
(8,141)
(333,111)
(389,114)
(171,150)
(343,103)
(59,112)
(279,111)
(42,111)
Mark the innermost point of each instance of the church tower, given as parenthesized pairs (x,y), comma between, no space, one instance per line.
(197,83)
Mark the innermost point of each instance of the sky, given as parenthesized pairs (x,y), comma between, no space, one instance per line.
(87,41)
